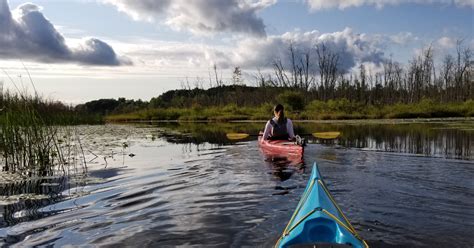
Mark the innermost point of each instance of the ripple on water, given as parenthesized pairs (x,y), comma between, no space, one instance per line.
(230,196)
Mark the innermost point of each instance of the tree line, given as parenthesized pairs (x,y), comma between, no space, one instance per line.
(319,72)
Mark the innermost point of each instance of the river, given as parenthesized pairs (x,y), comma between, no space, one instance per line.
(170,184)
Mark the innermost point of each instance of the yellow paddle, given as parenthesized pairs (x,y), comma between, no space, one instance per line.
(327,135)
(237,136)
(319,135)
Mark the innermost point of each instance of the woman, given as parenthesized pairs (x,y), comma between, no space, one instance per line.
(279,127)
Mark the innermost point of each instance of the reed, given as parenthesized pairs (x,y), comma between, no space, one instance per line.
(30,143)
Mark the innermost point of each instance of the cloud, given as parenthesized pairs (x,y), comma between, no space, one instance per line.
(199,16)
(352,48)
(252,53)
(466,3)
(343,4)
(25,33)
(403,38)
(446,42)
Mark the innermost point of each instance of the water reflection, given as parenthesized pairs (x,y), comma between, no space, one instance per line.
(420,139)
(23,199)
(443,139)
(190,186)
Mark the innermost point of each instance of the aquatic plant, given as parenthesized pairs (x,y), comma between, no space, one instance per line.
(30,144)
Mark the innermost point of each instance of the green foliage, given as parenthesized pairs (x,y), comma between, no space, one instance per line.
(225,103)
(427,108)
(315,110)
(29,142)
(111,106)
(468,108)
(292,99)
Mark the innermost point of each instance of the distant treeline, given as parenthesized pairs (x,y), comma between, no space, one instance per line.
(237,102)
(111,106)
(316,78)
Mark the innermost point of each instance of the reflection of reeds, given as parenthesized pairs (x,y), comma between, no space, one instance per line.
(23,198)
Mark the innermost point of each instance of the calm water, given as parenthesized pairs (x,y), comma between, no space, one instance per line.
(401,185)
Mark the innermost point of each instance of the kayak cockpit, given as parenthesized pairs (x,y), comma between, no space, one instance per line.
(320,245)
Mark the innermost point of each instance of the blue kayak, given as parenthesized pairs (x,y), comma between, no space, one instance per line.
(319,221)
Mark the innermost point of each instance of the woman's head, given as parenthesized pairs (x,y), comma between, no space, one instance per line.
(277,109)
(279,113)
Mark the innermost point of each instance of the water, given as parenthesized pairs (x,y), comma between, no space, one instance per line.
(401,185)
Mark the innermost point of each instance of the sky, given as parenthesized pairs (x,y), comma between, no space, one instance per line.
(80,50)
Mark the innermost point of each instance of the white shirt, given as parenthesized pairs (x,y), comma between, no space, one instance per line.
(269,129)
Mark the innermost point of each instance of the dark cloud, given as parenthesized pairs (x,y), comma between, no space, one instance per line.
(29,35)
(200,16)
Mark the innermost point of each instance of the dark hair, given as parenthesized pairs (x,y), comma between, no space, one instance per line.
(281,118)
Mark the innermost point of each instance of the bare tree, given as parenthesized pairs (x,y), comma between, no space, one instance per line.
(219,81)
(198,83)
(280,73)
(306,78)
(328,62)
(237,76)
(447,73)
(461,71)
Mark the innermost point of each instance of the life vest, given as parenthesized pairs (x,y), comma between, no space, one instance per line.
(279,131)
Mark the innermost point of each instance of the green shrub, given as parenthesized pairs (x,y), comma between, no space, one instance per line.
(292,99)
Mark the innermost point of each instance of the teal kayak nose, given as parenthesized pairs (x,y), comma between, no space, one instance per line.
(318,220)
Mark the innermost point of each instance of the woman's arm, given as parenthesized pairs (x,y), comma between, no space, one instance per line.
(289,129)
(268,130)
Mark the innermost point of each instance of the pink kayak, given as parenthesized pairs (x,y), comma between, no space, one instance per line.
(280,147)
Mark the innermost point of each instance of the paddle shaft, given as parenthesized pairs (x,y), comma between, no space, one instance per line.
(303,134)
(320,135)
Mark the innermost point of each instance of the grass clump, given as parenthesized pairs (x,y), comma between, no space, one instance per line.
(30,144)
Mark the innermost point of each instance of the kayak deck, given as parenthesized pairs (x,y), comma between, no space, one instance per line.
(318,220)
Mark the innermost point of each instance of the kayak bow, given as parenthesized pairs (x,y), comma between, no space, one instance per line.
(318,220)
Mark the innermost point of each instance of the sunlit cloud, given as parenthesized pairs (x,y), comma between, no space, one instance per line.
(25,33)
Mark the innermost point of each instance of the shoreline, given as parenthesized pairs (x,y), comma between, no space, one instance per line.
(346,121)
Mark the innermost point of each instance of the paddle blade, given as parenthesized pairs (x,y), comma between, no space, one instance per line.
(327,135)
(237,136)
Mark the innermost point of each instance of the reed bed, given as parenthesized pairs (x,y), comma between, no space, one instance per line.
(31,142)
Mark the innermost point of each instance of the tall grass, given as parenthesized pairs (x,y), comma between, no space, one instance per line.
(316,110)
(30,144)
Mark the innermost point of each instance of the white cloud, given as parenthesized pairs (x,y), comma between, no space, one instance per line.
(252,52)
(199,16)
(25,33)
(352,48)
(403,38)
(446,42)
(467,3)
(188,59)
(343,4)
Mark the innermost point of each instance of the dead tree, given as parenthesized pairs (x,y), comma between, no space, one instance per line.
(328,62)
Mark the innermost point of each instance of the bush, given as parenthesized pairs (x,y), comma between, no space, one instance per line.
(317,106)
(294,100)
